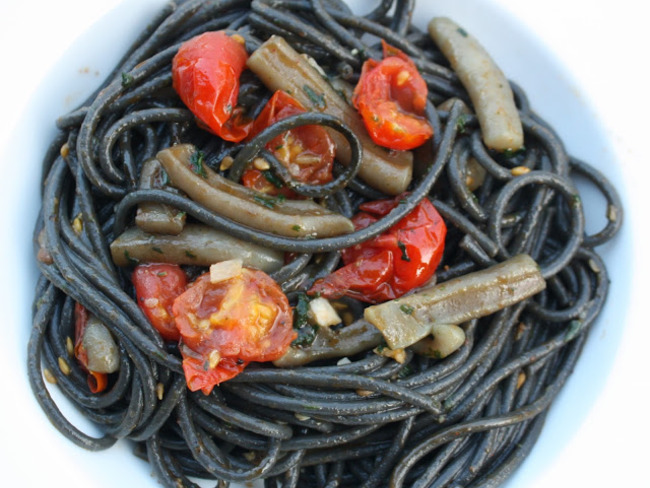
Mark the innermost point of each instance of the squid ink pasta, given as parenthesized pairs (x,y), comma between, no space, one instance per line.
(285,242)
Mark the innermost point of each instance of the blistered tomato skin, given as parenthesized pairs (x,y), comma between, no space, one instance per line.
(306,151)
(391,98)
(393,263)
(156,288)
(226,325)
(205,74)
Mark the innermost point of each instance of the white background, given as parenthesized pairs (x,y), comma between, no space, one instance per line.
(603,48)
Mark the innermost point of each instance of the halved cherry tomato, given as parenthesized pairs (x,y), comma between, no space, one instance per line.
(97,382)
(227,324)
(402,258)
(306,151)
(156,287)
(391,96)
(205,74)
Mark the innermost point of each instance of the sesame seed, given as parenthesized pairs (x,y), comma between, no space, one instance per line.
(226,163)
(519,170)
(64,366)
(49,377)
(261,164)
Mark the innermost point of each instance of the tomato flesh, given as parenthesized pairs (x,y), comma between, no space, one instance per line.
(227,324)
(205,74)
(156,287)
(306,151)
(393,263)
(391,96)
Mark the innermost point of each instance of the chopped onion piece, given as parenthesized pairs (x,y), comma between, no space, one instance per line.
(225,270)
(322,313)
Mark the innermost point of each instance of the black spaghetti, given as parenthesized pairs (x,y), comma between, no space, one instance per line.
(363,416)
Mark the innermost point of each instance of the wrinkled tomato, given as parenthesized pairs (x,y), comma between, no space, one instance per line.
(225,325)
(387,266)
(306,151)
(205,74)
(97,382)
(156,288)
(391,96)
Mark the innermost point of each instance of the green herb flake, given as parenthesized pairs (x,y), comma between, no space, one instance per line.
(197,164)
(157,249)
(461,124)
(511,153)
(318,100)
(267,202)
(572,330)
(162,274)
(405,372)
(297,228)
(130,259)
(127,80)
(407,309)
(190,254)
(272,178)
(462,32)
(402,247)
(301,311)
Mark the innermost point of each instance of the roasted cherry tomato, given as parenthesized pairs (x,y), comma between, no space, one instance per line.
(225,325)
(391,96)
(97,382)
(156,288)
(205,74)
(306,151)
(402,258)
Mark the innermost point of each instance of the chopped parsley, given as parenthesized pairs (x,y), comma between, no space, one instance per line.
(461,123)
(127,80)
(157,249)
(306,331)
(318,100)
(297,228)
(407,309)
(162,274)
(511,153)
(462,32)
(129,258)
(196,164)
(190,254)
(402,247)
(272,178)
(269,202)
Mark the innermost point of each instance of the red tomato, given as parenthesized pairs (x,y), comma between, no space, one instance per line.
(97,382)
(225,325)
(156,288)
(306,151)
(391,97)
(402,258)
(205,74)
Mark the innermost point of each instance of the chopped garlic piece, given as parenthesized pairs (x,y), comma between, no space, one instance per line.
(214,358)
(322,313)
(225,270)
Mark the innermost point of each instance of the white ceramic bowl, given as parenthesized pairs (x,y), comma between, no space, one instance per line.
(55,54)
